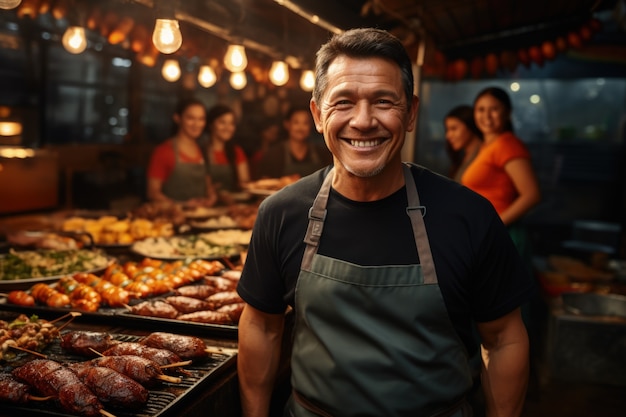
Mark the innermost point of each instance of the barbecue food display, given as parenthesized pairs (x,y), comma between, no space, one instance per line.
(57,380)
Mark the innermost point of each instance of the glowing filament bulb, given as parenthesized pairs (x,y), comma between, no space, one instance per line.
(74,40)
(206,76)
(235,59)
(279,73)
(171,70)
(307,81)
(238,80)
(166,36)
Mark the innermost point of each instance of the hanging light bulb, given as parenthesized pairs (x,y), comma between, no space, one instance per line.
(206,76)
(74,40)
(9,4)
(279,73)
(171,70)
(235,59)
(307,81)
(238,80)
(166,36)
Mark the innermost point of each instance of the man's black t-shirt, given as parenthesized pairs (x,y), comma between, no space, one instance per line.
(480,273)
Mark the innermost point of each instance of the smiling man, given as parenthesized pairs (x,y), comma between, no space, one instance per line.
(385,264)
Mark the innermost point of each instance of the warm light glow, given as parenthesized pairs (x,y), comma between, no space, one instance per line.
(238,80)
(515,86)
(171,70)
(74,40)
(10,128)
(535,99)
(307,81)
(17,153)
(235,59)
(206,76)
(279,73)
(9,4)
(166,36)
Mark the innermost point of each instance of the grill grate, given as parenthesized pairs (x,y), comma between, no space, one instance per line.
(162,399)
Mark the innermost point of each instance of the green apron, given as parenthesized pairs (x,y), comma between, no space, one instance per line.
(374,340)
(186,181)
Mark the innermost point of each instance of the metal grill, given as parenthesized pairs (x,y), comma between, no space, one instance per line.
(163,398)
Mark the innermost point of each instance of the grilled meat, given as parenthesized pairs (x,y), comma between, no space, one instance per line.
(145,371)
(82,342)
(110,386)
(54,379)
(233,310)
(160,356)
(207,316)
(223,298)
(155,308)
(187,347)
(201,291)
(12,390)
(187,304)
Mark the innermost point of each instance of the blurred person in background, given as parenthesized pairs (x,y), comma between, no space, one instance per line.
(269,131)
(463,139)
(502,171)
(228,163)
(296,155)
(177,171)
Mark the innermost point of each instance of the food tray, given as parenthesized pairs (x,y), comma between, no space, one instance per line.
(26,283)
(121,316)
(164,400)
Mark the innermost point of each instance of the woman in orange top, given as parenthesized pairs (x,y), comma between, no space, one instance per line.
(502,171)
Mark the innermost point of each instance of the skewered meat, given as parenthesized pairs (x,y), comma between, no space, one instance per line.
(220,283)
(223,298)
(187,347)
(111,294)
(54,379)
(187,304)
(31,333)
(145,371)
(155,308)
(233,310)
(207,316)
(111,387)
(196,291)
(49,296)
(82,342)
(21,298)
(160,356)
(12,390)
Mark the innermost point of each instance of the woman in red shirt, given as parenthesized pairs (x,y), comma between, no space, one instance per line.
(228,163)
(177,169)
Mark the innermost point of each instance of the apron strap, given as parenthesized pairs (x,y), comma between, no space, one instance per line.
(416,213)
(317,215)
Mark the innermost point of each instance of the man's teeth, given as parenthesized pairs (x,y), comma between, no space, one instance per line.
(364,143)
